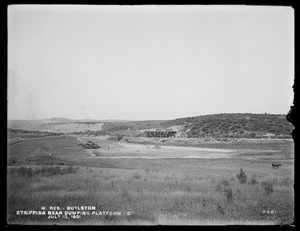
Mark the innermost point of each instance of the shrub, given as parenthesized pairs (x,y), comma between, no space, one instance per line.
(225,182)
(219,188)
(268,187)
(147,171)
(188,188)
(253,180)
(242,177)
(23,171)
(126,195)
(221,209)
(119,137)
(222,185)
(229,195)
(71,169)
(232,179)
(136,175)
(286,182)
(44,171)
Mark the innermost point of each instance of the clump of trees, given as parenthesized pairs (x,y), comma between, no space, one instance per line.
(238,126)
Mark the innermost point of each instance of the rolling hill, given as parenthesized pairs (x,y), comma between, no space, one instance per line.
(234,125)
(230,125)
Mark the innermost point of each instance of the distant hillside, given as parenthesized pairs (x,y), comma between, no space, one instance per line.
(59,120)
(217,126)
(22,124)
(233,125)
(37,124)
(65,120)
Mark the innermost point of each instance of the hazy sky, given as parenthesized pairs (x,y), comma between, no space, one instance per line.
(148,62)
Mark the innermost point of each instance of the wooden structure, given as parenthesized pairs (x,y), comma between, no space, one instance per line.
(89,145)
(269,136)
(160,134)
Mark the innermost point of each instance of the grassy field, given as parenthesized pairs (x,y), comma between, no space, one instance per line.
(147,192)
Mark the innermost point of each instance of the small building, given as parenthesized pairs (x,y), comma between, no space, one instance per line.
(280,136)
(269,136)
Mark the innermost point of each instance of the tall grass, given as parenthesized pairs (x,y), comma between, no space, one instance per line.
(167,196)
(43,171)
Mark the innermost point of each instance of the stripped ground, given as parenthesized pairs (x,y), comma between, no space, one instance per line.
(127,151)
(66,148)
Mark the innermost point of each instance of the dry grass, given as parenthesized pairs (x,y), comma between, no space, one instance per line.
(165,191)
(154,197)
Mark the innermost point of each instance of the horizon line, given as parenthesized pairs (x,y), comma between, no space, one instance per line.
(93,119)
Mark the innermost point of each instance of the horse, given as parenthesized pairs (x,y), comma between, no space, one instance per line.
(275,165)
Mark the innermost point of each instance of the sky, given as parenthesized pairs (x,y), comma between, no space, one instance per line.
(148,62)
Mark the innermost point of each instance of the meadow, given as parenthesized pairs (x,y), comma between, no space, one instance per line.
(148,191)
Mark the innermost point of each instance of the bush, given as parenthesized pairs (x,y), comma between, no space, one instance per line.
(253,180)
(268,187)
(242,177)
(120,137)
(286,182)
(147,171)
(44,171)
(24,171)
(229,195)
(222,185)
(126,195)
(225,182)
(136,175)
(187,188)
(219,188)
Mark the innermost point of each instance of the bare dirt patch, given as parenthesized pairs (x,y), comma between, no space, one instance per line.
(159,152)
(123,150)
